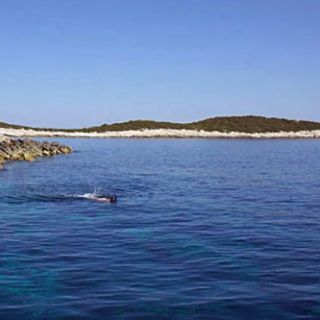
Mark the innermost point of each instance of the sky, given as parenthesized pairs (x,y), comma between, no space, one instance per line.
(77,63)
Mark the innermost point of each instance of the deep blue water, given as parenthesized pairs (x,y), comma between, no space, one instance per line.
(203,229)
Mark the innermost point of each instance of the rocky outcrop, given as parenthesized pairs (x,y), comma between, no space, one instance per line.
(29,150)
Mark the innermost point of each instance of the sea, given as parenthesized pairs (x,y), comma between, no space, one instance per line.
(202,229)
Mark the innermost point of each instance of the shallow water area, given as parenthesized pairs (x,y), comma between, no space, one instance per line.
(203,229)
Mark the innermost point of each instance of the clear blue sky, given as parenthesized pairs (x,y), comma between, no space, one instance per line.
(74,63)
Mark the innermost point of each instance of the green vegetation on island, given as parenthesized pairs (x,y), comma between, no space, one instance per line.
(245,124)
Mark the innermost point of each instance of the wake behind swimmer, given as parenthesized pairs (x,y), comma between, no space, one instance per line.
(40,197)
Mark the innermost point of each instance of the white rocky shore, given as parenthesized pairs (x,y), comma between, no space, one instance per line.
(161,133)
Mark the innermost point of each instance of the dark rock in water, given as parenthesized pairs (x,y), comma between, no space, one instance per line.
(29,150)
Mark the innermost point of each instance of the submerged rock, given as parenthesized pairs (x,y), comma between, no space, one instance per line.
(29,150)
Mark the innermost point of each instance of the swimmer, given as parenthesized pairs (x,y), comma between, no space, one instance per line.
(102,198)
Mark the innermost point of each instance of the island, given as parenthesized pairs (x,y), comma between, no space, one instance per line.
(218,127)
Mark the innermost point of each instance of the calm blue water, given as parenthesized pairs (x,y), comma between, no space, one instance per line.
(203,229)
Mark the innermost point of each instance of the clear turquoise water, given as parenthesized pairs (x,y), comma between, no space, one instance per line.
(203,229)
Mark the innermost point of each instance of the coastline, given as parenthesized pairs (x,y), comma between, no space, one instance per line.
(162,133)
(28,150)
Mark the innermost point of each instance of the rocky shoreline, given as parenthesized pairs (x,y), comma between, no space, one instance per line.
(28,150)
(163,133)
